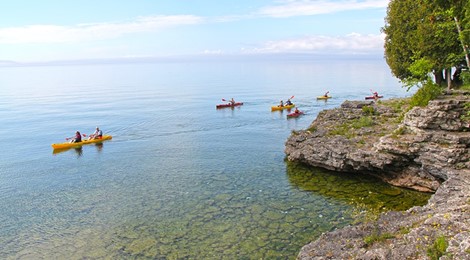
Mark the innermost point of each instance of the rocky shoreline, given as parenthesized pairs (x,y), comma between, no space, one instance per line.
(426,149)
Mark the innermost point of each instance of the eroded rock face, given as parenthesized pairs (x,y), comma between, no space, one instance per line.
(415,153)
(409,234)
(427,151)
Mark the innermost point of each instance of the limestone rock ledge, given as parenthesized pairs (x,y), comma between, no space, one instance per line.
(428,151)
(416,152)
(406,235)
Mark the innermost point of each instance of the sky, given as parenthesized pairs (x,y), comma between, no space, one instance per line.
(55,30)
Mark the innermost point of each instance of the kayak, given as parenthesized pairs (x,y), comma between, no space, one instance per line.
(323,97)
(83,142)
(275,108)
(229,105)
(373,97)
(293,115)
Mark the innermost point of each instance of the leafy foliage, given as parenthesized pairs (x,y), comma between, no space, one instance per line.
(422,38)
(428,92)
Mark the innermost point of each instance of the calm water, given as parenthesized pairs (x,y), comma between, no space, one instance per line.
(180,179)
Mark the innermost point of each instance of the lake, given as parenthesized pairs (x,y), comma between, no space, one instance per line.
(180,179)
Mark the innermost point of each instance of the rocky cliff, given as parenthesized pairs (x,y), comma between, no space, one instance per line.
(426,149)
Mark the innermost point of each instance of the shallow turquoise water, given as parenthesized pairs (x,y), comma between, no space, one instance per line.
(180,179)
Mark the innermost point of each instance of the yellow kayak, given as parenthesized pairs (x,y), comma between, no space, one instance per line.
(83,142)
(275,108)
(323,97)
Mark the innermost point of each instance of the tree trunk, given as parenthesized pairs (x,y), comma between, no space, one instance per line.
(464,47)
(438,77)
(449,79)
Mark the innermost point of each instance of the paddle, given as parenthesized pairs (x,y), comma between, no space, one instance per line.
(231,101)
(68,138)
(288,103)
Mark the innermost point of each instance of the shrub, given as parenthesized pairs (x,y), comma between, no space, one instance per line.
(465,76)
(438,248)
(368,110)
(466,115)
(364,121)
(426,93)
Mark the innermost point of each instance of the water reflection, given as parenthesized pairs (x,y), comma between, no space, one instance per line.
(362,191)
(99,147)
(77,150)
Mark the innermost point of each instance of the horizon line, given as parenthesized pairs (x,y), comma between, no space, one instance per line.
(197,58)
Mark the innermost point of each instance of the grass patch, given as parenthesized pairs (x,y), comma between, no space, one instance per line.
(466,114)
(364,121)
(404,230)
(374,238)
(312,129)
(399,131)
(398,105)
(345,128)
(368,110)
(438,248)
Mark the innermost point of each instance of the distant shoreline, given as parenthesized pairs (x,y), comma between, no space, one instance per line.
(193,58)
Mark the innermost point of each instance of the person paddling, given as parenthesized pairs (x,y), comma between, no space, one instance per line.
(98,134)
(326,94)
(281,104)
(77,138)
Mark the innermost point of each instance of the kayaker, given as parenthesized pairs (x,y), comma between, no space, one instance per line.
(297,111)
(376,95)
(77,138)
(98,134)
(326,94)
(281,104)
(288,102)
(232,102)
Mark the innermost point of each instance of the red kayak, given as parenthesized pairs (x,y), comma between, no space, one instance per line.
(229,105)
(374,97)
(294,114)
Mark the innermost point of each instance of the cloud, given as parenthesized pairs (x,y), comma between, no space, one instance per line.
(353,43)
(91,32)
(290,8)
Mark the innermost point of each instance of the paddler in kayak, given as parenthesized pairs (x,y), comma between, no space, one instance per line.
(376,95)
(281,104)
(326,94)
(98,134)
(77,138)
(232,102)
(288,102)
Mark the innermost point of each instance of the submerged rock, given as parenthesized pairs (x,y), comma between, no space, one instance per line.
(427,151)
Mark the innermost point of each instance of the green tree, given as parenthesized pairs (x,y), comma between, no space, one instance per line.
(421,32)
(459,10)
